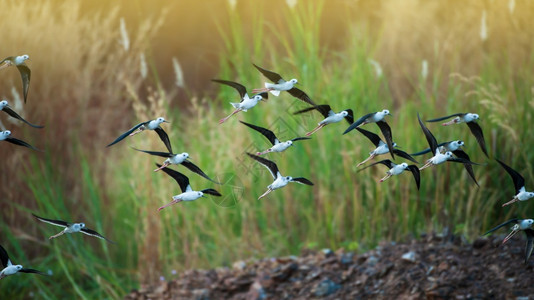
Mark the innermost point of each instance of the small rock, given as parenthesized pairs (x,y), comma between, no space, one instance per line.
(409,256)
(346,258)
(326,288)
(372,260)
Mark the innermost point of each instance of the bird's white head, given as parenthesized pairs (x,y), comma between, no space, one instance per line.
(161,120)
(458,143)
(3,104)
(200,194)
(5,133)
(289,143)
(471,117)
(344,113)
(448,154)
(184,155)
(527,223)
(386,112)
(18,267)
(21,58)
(404,165)
(394,144)
(288,178)
(257,98)
(78,226)
(294,81)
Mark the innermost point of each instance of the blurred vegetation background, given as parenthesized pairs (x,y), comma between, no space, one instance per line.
(100,67)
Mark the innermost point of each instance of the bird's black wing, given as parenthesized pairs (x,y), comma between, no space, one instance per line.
(297,93)
(350,116)
(53,222)
(95,234)
(519,181)
(446,117)
(302,180)
(358,122)
(241,89)
(271,165)
(164,137)
(405,155)
(468,167)
(180,178)
(127,133)
(20,143)
(416,174)
(530,243)
(428,149)
(195,169)
(462,160)
(274,77)
(324,109)
(386,131)
(13,114)
(266,132)
(385,162)
(160,154)
(211,192)
(24,270)
(375,139)
(300,139)
(514,220)
(4,258)
(477,132)
(25,74)
(429,137)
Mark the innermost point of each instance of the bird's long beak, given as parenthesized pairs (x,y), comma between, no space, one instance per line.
(390,114)
(166,122)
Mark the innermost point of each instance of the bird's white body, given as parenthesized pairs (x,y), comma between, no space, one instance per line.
(276,88)
(247,102)
(188,196)
(523,195)
(381,149)
(397,169)
(177,159)
(21,59)
(334,118)
(469,117)
(3,104)
(279,182)
(154,123)
(10,269)
(378,116)
(4,134)
(440,158)
(281,146)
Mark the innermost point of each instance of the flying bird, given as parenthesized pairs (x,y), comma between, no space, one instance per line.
(187,192)
(378,118)
(176,159)
(4,106)
(438,157)
(519,184)
(524,225)
(277,145)
(151,125)
(455,148)
(25,72)
(281,85)
(469,119)
(246,102)
(6,136)
(395,169)
(279,180)
(381,147)
(10,268)
(329,114)
(71,228)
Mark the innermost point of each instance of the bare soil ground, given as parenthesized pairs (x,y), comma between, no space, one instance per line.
(432,267)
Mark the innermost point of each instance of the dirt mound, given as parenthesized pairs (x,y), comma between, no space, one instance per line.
(433,267)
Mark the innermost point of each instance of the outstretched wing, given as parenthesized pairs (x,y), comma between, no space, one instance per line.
(519,181)
(446,117)
(266,132)
(4,258)
(429,137)
(33,271)
(358,122)
(53,222)
(386,162)
(211,192)
(302,180)
(324,109)
(271,165)
(195,169)
(95,234)
(241,89)
(13,114)
(20,143)
(350,116)
(160,154)
(272,76)
(416,174)
(25,74)
(127,133)
(300,95)
(180,178)
(514,220)
(164,137)
(374,138)
(468,167)
(530,243)
(405,155)
(300,139)
(386,131)
(477,132)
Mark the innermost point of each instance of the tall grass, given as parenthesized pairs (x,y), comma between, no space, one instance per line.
(116,193)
